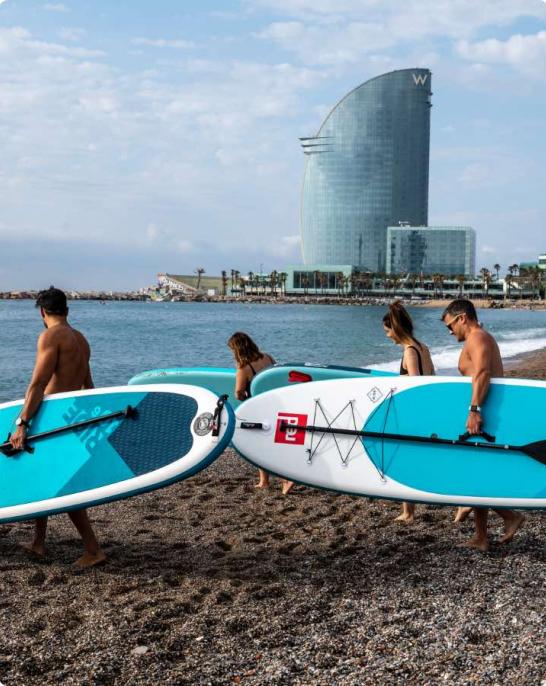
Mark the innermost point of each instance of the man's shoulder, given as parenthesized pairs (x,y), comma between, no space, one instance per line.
(479,338)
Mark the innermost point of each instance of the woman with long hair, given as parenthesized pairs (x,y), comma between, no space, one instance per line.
(249,361)
(416,361)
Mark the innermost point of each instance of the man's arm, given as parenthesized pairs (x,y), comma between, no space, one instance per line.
(480,356)
(44,368)
(88,383)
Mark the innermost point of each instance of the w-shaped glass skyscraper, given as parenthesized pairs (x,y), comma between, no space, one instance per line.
(367,169)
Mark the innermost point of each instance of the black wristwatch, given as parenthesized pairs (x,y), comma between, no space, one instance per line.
(475,408)
(22,422)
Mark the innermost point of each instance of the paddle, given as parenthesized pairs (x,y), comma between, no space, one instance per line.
(536,450)
(9,451)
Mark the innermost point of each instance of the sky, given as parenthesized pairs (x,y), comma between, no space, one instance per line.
(144,137)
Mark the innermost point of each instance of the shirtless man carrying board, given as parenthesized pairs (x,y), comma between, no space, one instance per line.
(480,358)
(62,365)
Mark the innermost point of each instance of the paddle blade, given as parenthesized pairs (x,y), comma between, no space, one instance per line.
(536,450)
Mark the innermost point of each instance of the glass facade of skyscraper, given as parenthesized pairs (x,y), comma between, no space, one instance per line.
(447,250)
(366,169)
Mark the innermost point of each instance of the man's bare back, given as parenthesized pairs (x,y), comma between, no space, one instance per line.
(72,351)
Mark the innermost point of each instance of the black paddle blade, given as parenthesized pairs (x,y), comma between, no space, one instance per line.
(536,450)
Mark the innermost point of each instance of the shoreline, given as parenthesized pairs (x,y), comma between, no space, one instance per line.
(374,301)
(529,365)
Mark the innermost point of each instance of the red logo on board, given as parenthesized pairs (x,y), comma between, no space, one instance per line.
(290,435)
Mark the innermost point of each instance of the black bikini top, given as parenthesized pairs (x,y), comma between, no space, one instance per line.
(404,371)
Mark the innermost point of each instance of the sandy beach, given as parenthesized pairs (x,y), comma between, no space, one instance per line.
(213,582)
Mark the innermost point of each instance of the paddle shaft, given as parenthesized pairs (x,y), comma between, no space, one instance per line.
(127,412)
(399,437)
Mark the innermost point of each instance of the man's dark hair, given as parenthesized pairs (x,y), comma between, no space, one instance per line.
(52,301)
(461,306)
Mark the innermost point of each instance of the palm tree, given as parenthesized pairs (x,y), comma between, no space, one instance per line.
(199,271)
(316,277)
(461,279)
(395,281)
(273,282)
(509,281)
(497,268)
(224,282)
(486,279)
(283,277)
(438,283)
(323,279)
(339,282)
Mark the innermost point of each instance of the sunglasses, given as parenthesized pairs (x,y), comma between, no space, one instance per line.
(450,324)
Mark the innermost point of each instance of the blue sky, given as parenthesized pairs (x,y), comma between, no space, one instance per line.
(140,137)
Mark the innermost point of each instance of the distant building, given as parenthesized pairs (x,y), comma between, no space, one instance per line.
(319,279)
(540,263)
(183,284)
(367,168)
(447,250)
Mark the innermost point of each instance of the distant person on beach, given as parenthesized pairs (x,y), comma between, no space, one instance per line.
(480,358)
(62,365)
(250,360)
(416,361)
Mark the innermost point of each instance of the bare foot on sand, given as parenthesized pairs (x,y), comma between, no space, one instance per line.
(478,543)
(260,484)
(462,513)
(408,518)
(90,559)
(511,526)
(37,549)
(287,487)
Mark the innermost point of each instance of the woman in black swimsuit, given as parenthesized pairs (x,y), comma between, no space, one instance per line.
(416,361)
(250,360)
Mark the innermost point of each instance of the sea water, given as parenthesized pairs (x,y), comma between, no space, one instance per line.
(130,337)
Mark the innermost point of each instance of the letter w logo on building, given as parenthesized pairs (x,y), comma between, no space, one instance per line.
(420,79)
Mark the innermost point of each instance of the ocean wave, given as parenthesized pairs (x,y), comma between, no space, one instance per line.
(448,357)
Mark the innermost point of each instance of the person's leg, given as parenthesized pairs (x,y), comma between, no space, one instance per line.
(37,545)
(462,513)
(264,479)
(512,522)
(479,540)
(286,486)
(92,551)
(407,514)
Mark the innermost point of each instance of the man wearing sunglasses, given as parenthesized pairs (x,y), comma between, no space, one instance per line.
(480,358)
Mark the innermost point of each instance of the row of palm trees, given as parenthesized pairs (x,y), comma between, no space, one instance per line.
(360,283)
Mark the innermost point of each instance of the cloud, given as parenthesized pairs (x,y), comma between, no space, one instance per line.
(71,34)
(343,32)
(524,53)
(163,43)
(55,7)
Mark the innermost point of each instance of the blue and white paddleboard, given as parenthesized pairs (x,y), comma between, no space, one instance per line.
(290,373)
(400,438)
(127,441)
(219,380)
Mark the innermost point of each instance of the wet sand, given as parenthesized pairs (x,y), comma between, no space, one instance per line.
(213,582)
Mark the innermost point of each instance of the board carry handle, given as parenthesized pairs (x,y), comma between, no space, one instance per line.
(218,415)
(9,451)
(488,437)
